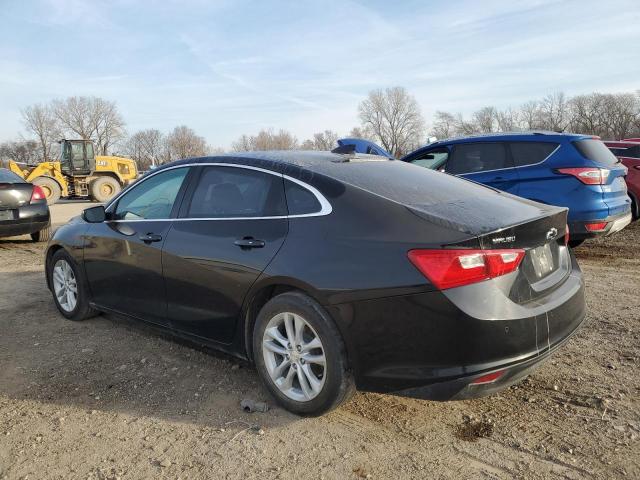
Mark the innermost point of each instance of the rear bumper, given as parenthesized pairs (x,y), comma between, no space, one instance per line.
(27,219)
(434,346)
(615,223)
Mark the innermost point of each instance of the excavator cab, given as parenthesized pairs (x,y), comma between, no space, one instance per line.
(77,157)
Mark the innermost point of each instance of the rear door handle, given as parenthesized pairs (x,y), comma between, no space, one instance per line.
(249,242)
(150,238)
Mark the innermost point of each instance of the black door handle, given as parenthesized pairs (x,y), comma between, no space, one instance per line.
(249,242)
(150,237)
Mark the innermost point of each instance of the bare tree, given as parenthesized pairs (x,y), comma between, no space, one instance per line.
(25,151)
(508,120)
(554,112)
(90,118)
(40,120)
(394,119)
(444,125)
(530,115)
(485,120)
(266,140)
(183,142)
(327,140)
(146,147)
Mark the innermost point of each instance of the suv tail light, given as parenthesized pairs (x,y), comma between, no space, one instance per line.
(37,194)
(455,268)
(587,175)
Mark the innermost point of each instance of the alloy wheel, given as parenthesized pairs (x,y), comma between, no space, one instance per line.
(294,356)
(65,285)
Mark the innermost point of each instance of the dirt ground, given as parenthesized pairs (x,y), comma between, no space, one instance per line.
(110,399)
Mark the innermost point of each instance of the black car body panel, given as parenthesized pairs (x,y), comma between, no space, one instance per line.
(18,214)
(199,279)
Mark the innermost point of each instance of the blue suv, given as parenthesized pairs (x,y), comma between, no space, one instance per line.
(569,170)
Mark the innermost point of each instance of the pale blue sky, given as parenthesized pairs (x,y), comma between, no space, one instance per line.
(231,67)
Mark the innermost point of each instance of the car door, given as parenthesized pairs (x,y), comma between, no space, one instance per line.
(488,163)
(232,223)
(123,255)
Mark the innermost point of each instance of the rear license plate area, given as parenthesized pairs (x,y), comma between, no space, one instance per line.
(6,215)
(542,260)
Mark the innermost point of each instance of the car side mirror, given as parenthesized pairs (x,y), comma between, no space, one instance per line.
(94,214)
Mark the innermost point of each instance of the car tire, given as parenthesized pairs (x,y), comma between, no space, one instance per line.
(43,235)
(302,360)
(50,187)
(104,189)
(72,276)
(575,243)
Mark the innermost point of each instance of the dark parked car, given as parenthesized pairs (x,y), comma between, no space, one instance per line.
(565,169)
(23,208)
(331,272)
(628,151)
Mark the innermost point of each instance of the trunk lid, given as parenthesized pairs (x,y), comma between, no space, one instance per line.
(14,195)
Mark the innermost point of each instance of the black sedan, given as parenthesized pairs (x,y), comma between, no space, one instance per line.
(23,208)
(331,272)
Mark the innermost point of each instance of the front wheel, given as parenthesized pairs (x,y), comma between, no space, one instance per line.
(69,287)
(300,355)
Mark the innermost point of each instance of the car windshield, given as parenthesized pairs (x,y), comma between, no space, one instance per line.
(596,151)
(7,176)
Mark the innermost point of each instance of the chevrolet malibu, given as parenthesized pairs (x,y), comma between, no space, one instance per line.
(330,272)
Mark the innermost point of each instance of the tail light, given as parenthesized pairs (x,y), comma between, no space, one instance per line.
(566,235)
(596,226)
(455,268)
(37,194)
(587,175)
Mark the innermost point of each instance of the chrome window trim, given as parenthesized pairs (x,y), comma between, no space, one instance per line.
(325,206)
(507,168)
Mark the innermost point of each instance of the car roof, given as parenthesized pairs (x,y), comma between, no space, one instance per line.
(512,136)
(291,162)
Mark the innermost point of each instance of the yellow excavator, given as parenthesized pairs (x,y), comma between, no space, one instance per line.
(79,173)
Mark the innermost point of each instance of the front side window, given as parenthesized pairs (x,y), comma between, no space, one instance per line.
(232,192)
(432,159)
(477,157)
(530,153)
(153,198)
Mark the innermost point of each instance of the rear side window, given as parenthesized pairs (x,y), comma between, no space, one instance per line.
(596,151)
(632,152)
(477,157)
(300,201)
(7,176)
(530,153)
(230,192)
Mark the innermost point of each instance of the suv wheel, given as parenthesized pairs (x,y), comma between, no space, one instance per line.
(300,355)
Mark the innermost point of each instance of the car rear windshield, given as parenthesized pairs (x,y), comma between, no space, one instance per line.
(596,151)
(7,176)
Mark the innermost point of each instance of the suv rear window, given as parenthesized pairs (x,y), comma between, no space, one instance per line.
(596,151)
(530,153)
(7,176)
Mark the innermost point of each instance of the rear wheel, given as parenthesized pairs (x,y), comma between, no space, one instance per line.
(50,187)
(69,287)
(575,243)
(43,235)
(104,188)
(300,355)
